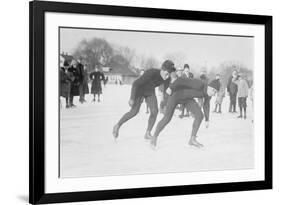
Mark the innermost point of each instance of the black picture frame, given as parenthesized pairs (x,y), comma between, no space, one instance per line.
(37,9)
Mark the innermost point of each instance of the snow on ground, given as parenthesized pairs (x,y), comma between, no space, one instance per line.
(87,147)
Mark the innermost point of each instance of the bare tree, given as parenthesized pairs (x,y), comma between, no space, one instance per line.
(147,63)
(127,53)
(97,51)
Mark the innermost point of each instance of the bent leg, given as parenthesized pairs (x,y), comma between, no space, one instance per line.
(198,116)
(127,116)
(132,112)
(151,102)
(170,109)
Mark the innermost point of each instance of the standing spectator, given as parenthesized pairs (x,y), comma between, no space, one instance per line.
(74,88)
(81,78)
(85,82)
(186,71)
(65,83)
(205,80)
(179,72)
(232,90)
(219,100)
(96,88)
(251,95)
(186,74)
(220,96)
(242,94)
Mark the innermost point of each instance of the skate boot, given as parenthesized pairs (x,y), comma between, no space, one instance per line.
(147,136)
(116,131)
(153,142)
(194,142)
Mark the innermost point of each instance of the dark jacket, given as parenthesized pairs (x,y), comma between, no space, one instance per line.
(75,82)
(194,84)
(232,88)
(65,83)
(188,83)
(81,72)
(145,85)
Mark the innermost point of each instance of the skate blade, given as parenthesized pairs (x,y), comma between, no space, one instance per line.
(153,147)
(197,146)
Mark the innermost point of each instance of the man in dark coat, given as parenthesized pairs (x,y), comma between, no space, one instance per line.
(143,88)
(232,90)
(186,75)
(74,90)
(96,88)
(82,77)
(65,83)
(184,91)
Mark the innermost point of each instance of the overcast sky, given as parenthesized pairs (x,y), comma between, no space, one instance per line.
(197,49)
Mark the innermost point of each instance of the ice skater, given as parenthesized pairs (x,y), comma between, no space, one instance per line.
(143,88)
(184,91)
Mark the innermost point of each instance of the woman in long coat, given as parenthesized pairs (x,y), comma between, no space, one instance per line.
(96,88)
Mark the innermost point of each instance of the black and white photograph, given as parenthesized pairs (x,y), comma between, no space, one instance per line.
(131,102)
(135,102)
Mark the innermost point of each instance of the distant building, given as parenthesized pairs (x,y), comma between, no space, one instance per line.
(119,75)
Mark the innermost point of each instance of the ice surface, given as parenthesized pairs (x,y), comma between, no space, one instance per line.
(87,147)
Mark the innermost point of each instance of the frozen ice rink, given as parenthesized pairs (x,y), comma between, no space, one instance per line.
(87,147)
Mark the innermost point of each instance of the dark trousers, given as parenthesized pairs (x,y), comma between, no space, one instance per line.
(242,102)
(232,105)
(181,97)
(81,92)
(151,102)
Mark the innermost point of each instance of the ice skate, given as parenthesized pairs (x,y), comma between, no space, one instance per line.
(147,136)
(194,142)
(153,142)
(116,131)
